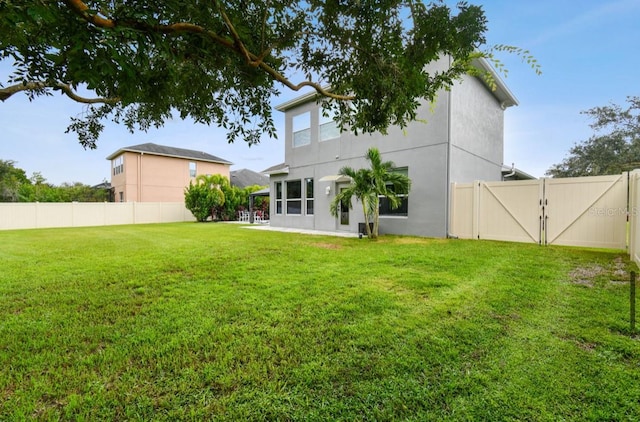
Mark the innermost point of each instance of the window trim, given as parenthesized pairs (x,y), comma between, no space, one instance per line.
(404,197)
(193,172)
(324,121)
(117,165)
(309,199)
(277,187)
(299,127)
(293,200)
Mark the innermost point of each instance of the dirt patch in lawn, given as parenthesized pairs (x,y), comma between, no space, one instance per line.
(614,273)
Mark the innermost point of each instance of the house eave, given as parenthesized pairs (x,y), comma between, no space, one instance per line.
(516,174)
(502,92)
(337,178)
(305,98)
(183,157)
(274,172)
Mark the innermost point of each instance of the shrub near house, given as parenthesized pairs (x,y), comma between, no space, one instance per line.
(214,196)
(201,198)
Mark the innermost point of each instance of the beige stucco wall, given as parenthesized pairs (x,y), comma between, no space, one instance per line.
(154,178)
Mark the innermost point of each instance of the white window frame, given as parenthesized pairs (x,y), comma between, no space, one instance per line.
(291,201)
(309,199)
(392,214)
(117,165)
(301,129)
(277,188)
(327,122)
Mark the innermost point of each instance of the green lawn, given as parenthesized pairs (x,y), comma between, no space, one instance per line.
(213,321)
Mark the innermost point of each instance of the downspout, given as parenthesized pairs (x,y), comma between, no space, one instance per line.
(513,171)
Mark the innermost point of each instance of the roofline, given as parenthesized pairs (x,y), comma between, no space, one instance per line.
(282,170)
(301,99)
(502,91)
(517,172)
(128,149)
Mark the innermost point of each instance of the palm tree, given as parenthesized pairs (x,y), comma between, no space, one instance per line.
(368,185)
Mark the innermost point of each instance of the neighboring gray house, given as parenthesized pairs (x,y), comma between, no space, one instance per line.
(461,141)
(245,177)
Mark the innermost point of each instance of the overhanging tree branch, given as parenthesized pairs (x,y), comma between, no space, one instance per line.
(235,44)
(7,92)
(221,62)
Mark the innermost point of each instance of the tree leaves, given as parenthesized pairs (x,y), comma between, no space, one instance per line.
(616,147)
(222,62)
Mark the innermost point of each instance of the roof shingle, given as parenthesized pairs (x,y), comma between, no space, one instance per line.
(151,148)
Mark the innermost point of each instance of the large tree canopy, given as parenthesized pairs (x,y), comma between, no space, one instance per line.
(221,61)
(614,148)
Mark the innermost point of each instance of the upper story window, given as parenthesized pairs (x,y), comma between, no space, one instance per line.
(403,209)
(117,164)
(302,129)
(328,128)
(192,169)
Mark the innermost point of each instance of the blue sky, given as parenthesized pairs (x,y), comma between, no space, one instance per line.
(590,56)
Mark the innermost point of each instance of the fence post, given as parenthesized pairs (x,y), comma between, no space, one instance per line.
(632,301)
(475,229)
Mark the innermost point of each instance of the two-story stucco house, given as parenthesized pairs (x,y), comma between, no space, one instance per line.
(157,173)
(458,139)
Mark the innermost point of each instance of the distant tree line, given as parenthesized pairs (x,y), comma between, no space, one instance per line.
(15,186)
(614,147)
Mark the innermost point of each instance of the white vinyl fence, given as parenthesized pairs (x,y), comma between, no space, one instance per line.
(82,214)
(581,211)
(634,218)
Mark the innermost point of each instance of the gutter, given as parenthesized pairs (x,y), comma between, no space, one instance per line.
(513,171)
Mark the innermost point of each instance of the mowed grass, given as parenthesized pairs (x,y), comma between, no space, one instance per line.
(218,322)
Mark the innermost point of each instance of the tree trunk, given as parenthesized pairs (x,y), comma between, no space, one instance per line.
(376,218)
(366,218)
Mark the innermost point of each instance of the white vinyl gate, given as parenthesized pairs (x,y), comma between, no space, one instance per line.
(583,211)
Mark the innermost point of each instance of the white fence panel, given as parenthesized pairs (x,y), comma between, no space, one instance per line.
(54,215)
(510,211)
(583,211)
(48,215)
(87,214)
(464,216)
(147,212)
(587,211)
(17,216)
(634,220)
(119,213)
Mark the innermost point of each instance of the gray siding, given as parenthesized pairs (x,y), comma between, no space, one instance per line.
(477,133)
(458,139)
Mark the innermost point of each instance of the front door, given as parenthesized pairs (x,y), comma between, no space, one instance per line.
(344,211)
